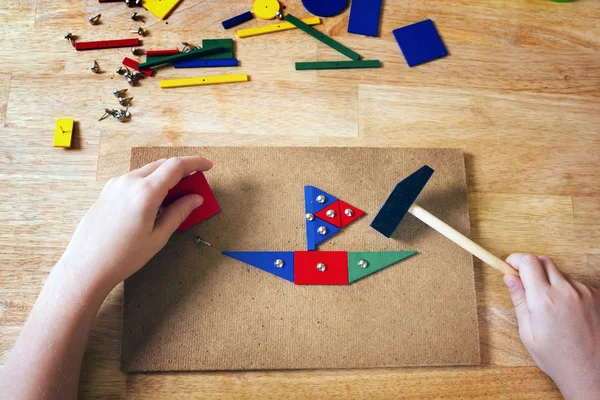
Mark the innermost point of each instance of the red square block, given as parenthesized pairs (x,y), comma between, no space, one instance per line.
(194,184)
(307,273)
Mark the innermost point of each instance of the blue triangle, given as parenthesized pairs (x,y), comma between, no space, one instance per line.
(265,260)
(313,238)
(310,199)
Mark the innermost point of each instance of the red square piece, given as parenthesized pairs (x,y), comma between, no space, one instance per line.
(306,271)
(197,184)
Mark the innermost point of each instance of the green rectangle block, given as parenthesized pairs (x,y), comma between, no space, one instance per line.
(351,54)
(304,66)
(226,44)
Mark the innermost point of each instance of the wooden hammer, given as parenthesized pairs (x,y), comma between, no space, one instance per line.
(402,200)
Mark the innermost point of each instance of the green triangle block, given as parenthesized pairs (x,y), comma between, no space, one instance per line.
(376,261)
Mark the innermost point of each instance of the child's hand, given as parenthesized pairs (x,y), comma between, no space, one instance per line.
(121,232)
(559,323)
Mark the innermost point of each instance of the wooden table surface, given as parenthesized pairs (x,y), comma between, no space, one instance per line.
(519,92)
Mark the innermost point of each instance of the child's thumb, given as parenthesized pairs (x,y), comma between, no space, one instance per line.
(175,214)
(519,299)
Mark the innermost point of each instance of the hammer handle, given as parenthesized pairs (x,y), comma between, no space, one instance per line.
(461,240)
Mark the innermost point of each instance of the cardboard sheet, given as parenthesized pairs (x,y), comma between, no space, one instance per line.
(191,308)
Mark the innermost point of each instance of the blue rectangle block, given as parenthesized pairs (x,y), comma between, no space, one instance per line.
(237,20)
(364,17)
(217,62)
(420,43)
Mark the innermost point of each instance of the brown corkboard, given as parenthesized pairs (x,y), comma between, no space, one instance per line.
(193,309)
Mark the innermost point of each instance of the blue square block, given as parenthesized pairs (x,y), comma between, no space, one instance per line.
(420,43)
(364,17)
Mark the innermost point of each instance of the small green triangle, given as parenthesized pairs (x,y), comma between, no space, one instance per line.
(376,261)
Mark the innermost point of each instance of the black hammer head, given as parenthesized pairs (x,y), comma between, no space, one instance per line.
(402,197)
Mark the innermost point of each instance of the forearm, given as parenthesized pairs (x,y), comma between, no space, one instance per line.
(46,359)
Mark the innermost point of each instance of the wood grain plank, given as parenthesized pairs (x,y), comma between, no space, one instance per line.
(456,383)
(235,108)
(474,66)
(4,91)
(417,115)
(17,13)
(497,23)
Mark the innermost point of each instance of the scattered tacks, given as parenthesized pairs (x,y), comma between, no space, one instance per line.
(200,241)
(140,31)
(95,68)
(125,101)
(133,3)
(69,36)
(121,115)
(119,93)
(94,20)
(135,17)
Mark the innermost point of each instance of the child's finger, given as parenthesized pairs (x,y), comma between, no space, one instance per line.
(531,270)
(148,168)
(174,215)
(519,299)
(175,169)
(552,271)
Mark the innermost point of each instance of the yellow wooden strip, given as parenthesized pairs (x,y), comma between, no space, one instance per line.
(63,132)
(281,26)
(203,80)
(160,8)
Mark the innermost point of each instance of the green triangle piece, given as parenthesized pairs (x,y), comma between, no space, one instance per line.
(376,261)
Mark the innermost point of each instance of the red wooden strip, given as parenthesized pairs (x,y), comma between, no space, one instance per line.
(157,53)
(128,62)
(306,272)
(107,44)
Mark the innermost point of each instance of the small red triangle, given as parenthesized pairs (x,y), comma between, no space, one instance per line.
(356,213)
(336,219)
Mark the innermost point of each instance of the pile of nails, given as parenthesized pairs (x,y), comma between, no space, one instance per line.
(132,77)
(121,115)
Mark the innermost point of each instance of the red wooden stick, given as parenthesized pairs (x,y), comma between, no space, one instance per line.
(128,62)
(162,52)
(106,44)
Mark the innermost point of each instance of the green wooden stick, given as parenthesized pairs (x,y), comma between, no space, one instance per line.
(304,66)
(189,55)
(323,38)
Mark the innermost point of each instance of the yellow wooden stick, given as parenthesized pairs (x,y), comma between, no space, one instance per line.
(203,80)
(281,26)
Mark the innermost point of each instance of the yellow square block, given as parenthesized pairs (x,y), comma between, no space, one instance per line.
(160,8)
(63,132)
